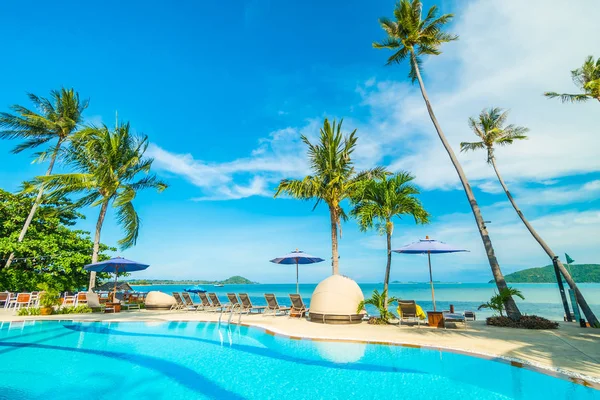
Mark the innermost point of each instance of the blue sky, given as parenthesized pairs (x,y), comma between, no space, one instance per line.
(224,91)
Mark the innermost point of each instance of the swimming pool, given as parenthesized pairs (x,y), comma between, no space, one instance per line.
(196,360)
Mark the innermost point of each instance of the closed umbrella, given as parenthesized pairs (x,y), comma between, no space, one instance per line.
(429,247)
(116,265)
(297,257)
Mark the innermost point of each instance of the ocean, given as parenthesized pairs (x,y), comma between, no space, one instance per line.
(541,299)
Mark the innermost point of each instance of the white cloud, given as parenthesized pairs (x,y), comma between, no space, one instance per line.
(568,194)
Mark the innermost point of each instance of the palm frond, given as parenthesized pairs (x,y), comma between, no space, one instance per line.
(128,218)
(566,98)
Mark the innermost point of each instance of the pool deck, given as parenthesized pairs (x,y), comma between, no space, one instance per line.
(568,350)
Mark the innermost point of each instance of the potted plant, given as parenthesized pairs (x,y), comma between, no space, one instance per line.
(49,297)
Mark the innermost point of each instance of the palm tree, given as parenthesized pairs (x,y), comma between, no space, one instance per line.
(489,127)
(377,202)
(56,119)
(334,178)
(108,165)
(381,303)
(411,37)
(587,79)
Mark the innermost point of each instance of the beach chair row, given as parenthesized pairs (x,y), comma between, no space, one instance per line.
(240,303)
(17,300)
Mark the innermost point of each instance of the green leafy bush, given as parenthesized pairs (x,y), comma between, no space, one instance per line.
(497,301)
(376,300)
(81,309)
(49,296)
(526,322)
(25,311)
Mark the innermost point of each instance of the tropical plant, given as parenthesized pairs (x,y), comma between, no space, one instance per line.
(411,37)
(587,79)
(49,296)
(53,251)
(381,302)
(498,300)
(56,119)
(108,164)
(490,128)
(334,178)
(378,201)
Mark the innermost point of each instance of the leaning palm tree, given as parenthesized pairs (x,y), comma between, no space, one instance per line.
(411,37)
(491,130)
(55,120)
(587,79)
(334,178)
(107,165)
(378,201)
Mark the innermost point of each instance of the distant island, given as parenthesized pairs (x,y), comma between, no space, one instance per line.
(234,280)
(581,273)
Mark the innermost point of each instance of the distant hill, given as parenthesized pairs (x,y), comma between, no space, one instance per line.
(234,280)
(581,273)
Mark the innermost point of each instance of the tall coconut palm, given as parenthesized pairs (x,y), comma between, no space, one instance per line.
(411,37)
(587,79)
(379,201)
(55,120)
(334,178)
(108,165)
(491,130)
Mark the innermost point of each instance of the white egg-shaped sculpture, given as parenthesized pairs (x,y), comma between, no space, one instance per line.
(156,300)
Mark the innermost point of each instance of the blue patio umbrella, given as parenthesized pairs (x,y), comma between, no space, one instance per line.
(195,289)
(429,247)
(116,265)
(297,257)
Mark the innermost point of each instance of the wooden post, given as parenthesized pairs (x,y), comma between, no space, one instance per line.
(561,288)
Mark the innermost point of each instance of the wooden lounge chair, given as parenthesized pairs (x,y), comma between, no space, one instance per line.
(217,303)
(189,302)
(179,304)
(234,303)
(408,311)
(247,305)
(298,308)
(22,300)
(206,304)
(273,305)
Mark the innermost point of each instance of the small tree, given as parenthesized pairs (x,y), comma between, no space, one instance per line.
(497,301)
(381,302)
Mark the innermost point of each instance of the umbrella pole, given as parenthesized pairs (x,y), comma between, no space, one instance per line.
(297,287)
(431,279)
(115,291)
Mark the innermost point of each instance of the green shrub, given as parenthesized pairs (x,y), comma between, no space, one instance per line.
(81,309)
(497,301)
(25,311)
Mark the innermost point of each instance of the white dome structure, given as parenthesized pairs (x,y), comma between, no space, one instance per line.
(156,300)
(335,301)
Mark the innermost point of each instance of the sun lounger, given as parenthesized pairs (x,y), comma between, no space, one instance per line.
(470,316)
(273,305)
(298,308)
(408,312)
(81,299)
(247,305)
(454,318)
(93,301)
(189,302)
(217,303)
(234,303)
(179,304)
(206,304)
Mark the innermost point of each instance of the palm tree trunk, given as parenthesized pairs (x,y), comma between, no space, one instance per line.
(35,206)
(589,314)
(97,242)
(386,280)
(511,307)
(334,242)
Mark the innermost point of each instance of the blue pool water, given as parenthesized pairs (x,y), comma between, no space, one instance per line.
(71,360)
